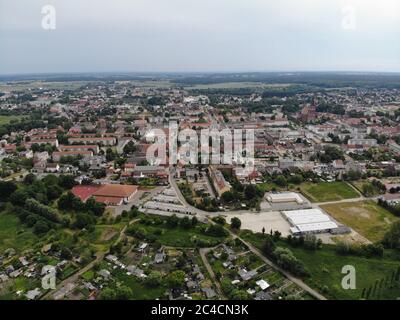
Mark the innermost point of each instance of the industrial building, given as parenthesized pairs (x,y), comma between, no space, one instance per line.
(285,197)
(309,221)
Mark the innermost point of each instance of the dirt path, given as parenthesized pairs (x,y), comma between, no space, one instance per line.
(203,255)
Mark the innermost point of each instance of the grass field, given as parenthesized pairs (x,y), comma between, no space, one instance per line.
(139,290)
(366,217)
(236,85)
(14,235)
(325,267)
(7,119)
(179,237)
(328,191)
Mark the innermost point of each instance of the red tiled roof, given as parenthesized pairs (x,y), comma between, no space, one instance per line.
(84,192)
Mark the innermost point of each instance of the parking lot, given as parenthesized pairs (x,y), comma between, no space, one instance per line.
(272,220)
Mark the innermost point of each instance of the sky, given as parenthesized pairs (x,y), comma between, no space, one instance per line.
(199,35)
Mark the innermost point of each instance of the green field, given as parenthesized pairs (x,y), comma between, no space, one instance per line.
(14,235)
(328,191)
(236,85)
(139,290)
(179,237)
(7,119)
(366,217)
(325,267)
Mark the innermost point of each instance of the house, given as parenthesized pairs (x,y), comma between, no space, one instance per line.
(33,294)
(247,275)
(262,295)
(159,257)
(209,292)
(264,285)
(52,167)
(111,258)
(137,272)
(104,273)
(142,247)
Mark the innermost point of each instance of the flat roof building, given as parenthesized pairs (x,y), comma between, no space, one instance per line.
(284,197)
(309,221)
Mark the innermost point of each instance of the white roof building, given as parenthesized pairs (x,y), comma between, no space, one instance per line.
(263,284)
(309,221)
(285,197)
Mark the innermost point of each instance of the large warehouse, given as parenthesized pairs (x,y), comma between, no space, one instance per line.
(284,197)
(309,221)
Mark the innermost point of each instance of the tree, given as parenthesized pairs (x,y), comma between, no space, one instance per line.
(40,227)
(172,221)
(280,181)
(268,246)
(95,207)
(176,279)
(53,192)
(195,221)
(392,237)
(123,293)
(250,192)
(227,197)
(185,223)
(67,182)
(286,260)
(129,147)
(236,223)
(154,279)
(66,253)
(29,178)
(107,294)
(69,201)
(6,189)
(19,197)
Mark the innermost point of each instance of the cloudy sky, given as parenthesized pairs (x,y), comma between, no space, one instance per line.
(200,35)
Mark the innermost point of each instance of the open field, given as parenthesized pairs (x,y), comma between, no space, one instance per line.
(7,119)
(21,86)
(236,85)
(328,191)
(325,267)
(366,217)
(178,237)
(13,234)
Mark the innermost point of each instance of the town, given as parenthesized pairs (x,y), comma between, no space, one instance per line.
(80,197)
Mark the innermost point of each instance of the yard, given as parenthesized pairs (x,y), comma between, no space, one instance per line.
(14,235)
(139,290)
(328,191)
(365,217)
